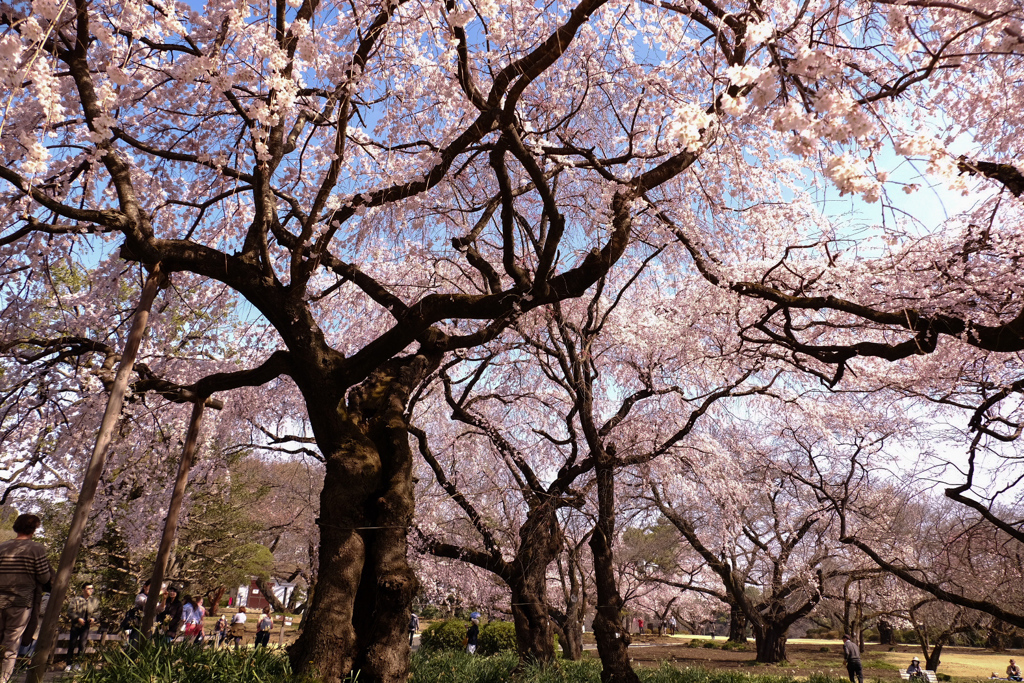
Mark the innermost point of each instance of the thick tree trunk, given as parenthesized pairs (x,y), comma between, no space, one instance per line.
(737,625)
(540,541)
(535,636)
(771,644)
(933,659)
(612,640)
(358,615)
(571,640)
(886,633)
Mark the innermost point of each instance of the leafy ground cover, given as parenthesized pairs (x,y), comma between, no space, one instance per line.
(459,667)
(188,664)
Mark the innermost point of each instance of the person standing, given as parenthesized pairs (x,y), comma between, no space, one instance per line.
(472,635)
(192,618)
(221,630)
(24,573)
(82,612)
(263,627)
(238,627)
(414,625)
(201,612)
(851,655)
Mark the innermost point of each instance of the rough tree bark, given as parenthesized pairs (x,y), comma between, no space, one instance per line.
(358,613)
(770,641)
(540,542)
(612,639)
(886,633)
(737,624)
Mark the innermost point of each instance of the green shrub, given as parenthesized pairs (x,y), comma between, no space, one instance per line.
(709,645)
(444,636)
(694,643)
(497,636)
(181,663)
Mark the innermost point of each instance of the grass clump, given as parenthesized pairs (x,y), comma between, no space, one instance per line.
(187,663)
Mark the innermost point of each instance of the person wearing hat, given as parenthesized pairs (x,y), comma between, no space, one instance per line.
(472,635)
(1013,671)
(914,670)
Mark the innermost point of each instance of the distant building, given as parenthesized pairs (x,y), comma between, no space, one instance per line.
(252,598)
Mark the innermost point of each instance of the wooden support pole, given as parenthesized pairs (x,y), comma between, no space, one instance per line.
(83,506)
(171,521)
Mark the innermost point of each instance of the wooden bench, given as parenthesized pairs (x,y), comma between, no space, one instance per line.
(102,637)
(929,676)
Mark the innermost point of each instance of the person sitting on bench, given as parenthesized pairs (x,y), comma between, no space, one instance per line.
(914,670)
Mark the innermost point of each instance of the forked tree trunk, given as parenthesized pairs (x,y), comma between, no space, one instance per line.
(612,640)
(737,625)
(540,541)
(771,643)
(359,611)
(934,658)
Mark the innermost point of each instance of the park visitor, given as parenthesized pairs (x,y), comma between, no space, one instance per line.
(472,634)
(1013,671)
(263,627)
(192,618)
(221,630)
(414,625)
(143,596)
(238,627)
(24,576)
(82,612)
(201,612)
(851,655)
(914,670)
(171,613)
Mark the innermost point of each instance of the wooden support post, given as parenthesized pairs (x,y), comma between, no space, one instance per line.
(83,506)
(171,521)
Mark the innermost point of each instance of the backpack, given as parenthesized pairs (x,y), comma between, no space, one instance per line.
(131,619)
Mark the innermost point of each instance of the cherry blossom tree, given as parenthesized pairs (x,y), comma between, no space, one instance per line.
(388,182)
(584,376)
